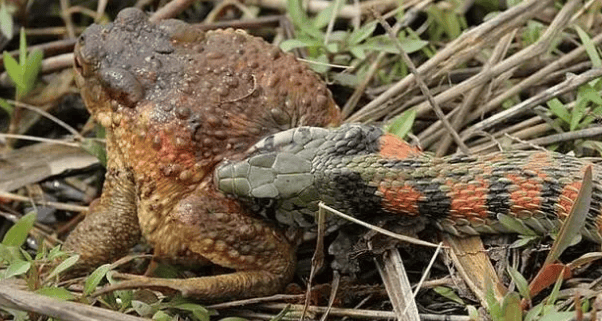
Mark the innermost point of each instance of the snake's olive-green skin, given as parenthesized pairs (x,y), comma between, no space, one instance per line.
(362,171)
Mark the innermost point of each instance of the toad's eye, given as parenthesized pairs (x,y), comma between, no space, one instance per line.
(81,40)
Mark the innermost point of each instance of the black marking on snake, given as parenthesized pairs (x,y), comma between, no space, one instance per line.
(551,189)
(437,204)
(353,194)
(405,164)
(498,198)
(355,140)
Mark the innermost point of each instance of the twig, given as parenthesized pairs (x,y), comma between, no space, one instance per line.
(423,87)
(557,138)
(498,53)
(378,229)
(57,205)
(66,15)
(39,139)
(362,314)
(170,10)
(57,121)
(468,44)
(517,59)
(566,86)
(232,304)
(516,89)
(13,298)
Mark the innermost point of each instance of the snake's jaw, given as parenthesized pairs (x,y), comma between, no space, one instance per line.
(275,175)
(279,167)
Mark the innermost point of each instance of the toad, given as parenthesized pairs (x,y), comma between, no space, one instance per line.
(175,102)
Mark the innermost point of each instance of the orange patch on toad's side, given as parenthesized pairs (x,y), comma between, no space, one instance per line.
(393,147)
(401,199)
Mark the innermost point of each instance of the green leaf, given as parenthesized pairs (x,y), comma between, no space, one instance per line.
(291,44)
(520,281)
(94,279)
(55,253)
(559,110)
(592,144)
(590,47)
(8,108)
(588,92)
(14,70)
(322,19)
(233,319)
(402,124)
(412,45)
(6,21)
(17,267)
(296,13)
(534,312)
(65,265)
(161,316)
(18,315)
(17,234)
(199,311)
(25,254)
(358,52)
(577,113)
(385,44)
(32,69)
(558,316)
(362,33)
(6,255)
(143,309)
(495,310)
(449,294)
(515,225)
(523,241)
(57,293)
(321,66)
(511,307)
(332,47)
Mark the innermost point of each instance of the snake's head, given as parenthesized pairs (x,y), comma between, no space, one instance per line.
(278,169)
(297,168)
(279,166)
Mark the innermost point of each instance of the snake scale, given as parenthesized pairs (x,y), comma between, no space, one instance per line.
(362,171)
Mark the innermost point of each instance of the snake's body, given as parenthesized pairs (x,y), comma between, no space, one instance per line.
(362,171)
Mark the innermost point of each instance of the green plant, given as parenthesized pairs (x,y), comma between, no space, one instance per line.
(37,271)
(25,72)
(402,124)
(445,20)
(588,105)
(340,47)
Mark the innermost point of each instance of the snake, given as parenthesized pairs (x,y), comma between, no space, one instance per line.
(363,172)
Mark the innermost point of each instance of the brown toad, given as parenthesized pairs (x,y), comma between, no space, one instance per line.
(175,101)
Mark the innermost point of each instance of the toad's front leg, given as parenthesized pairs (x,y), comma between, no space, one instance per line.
(111,228)
(209,225)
